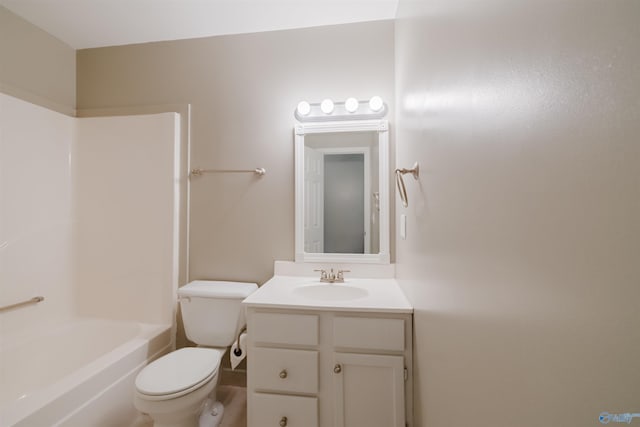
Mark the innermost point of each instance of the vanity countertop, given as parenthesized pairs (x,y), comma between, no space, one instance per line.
(380,295)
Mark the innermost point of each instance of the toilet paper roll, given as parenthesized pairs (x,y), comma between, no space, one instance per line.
(238,350)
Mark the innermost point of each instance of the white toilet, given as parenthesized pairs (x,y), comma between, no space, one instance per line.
(174,389)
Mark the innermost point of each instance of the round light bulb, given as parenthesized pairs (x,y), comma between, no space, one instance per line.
(327,106)
(351,105)
(376,104)
(304,108)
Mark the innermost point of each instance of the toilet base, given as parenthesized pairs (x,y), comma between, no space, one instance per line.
(183,411)
(212,414)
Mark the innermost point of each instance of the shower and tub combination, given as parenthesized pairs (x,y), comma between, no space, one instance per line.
(89,240)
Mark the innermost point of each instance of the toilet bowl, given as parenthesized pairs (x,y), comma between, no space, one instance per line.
(173,389)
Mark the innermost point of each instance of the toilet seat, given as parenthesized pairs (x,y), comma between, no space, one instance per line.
(178,373)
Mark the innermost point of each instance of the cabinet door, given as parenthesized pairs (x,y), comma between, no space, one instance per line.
(369,390)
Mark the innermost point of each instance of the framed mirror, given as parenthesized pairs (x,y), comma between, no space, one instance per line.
(342,192)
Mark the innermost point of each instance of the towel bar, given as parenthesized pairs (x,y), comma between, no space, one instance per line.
(33,300)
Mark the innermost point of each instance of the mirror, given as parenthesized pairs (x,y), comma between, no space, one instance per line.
(342,193)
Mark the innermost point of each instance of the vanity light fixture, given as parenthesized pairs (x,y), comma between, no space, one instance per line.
(351,105)
(351,109)
(327,106)
(375,103)
(304,108)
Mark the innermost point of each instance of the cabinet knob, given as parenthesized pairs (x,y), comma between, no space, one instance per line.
(337,369)
(283,422)
(283,375)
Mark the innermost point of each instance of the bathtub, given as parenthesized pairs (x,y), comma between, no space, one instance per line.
(76,373)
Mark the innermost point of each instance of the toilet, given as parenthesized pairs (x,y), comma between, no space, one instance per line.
(176,388)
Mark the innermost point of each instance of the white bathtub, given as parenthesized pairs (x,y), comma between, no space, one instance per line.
(79,373)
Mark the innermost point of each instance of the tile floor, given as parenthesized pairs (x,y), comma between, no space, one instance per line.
(234,400)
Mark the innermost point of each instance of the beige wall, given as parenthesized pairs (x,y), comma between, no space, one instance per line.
(243,90)
(36,66)
(523,231)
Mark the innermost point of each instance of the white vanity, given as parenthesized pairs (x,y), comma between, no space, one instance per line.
(334,354)
(329,355)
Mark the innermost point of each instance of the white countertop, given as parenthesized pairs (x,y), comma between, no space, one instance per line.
(383,295)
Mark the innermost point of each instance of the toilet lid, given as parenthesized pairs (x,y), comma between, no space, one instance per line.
(178,371)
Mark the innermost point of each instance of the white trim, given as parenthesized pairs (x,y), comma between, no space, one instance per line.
(352,126)
(382,127)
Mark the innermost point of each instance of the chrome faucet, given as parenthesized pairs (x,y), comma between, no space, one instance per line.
(332,277)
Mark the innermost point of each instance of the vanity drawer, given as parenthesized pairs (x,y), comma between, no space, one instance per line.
(272,410)
(368,333)
(294,371)
(288,329)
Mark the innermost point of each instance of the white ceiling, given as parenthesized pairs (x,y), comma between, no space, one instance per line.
(95,23)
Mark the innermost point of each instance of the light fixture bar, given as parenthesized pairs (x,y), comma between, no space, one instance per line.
(351,109)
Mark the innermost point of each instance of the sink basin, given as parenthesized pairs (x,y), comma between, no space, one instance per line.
(330,292)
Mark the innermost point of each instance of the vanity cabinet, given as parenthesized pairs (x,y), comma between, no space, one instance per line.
(319,368)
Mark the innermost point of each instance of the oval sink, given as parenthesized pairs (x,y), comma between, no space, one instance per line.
(330,292)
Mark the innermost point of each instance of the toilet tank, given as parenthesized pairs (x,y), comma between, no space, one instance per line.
(212,312)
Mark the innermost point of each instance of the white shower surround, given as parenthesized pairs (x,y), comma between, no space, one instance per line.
(89,220)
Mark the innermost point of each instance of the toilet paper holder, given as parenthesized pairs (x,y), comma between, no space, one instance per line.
(238,351)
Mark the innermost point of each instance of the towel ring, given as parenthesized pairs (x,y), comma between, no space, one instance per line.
(402,189)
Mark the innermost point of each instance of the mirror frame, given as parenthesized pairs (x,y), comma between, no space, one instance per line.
(302,129)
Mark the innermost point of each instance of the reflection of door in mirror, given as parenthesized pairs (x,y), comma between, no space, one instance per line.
(340,182)
(314,201)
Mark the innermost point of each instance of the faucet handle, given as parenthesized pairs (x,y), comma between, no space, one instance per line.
(323,273)
(341,275)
